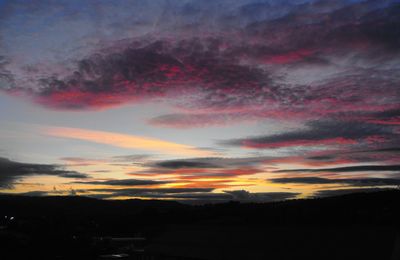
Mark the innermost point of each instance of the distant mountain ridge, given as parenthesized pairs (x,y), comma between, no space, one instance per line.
(371,207)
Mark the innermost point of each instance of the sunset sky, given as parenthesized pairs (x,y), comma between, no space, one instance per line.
(199,100)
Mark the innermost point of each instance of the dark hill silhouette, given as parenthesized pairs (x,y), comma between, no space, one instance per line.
(353,226)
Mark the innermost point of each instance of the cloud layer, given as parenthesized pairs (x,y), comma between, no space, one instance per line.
(302,59)
(12,172)
(352,182)
(124,140)
(325,72)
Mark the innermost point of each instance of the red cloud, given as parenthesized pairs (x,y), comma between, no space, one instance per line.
(249,69)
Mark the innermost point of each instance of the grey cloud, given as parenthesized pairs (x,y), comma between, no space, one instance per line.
(329,193)
(353,182)
(361,168)
(315,133)
(123,182)
(321,157)
(192,196)
(142,192)
(34,193)
(12,171)
(177,164)
(210,162)
(131,158)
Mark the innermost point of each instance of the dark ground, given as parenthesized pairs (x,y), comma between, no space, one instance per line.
(357,226)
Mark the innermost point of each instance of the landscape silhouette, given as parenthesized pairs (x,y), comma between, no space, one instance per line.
(354,226)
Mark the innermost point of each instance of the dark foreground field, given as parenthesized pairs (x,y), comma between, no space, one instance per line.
(358,226)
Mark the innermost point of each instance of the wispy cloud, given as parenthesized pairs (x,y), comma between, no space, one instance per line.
(359,168)
(123,182)
(338,192)
(352,182)
(331,132)
(125,141)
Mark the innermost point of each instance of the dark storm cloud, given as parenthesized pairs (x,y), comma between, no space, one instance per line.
(12,172)
(124,182)
(352,182)
(318,133)
(361,168)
